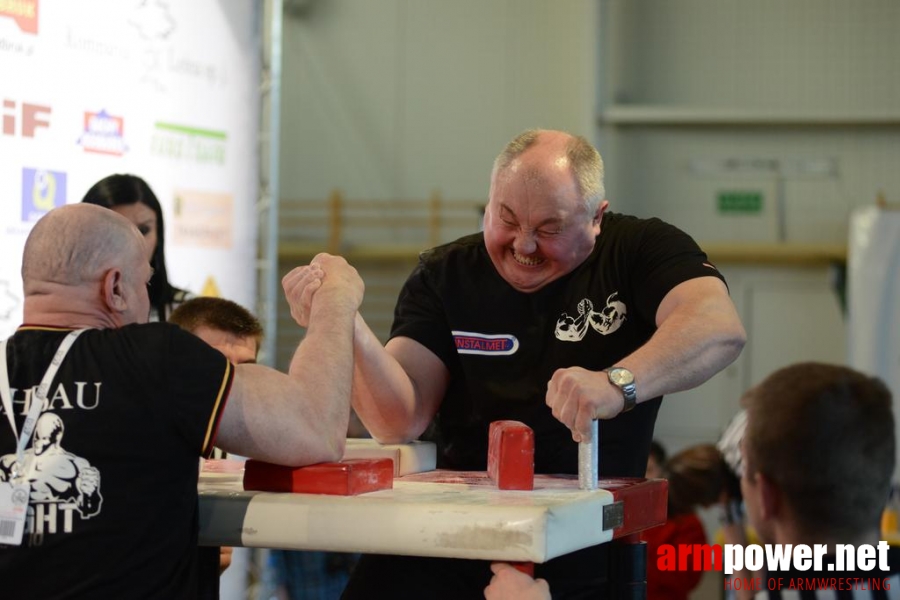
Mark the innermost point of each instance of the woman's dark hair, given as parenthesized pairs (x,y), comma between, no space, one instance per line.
(124,189)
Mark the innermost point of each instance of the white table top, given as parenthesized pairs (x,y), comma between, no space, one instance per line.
(438,513)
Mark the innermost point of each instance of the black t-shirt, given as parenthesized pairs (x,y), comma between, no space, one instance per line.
(502,346)
(113,511)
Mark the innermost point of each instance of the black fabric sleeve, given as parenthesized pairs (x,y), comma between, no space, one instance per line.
(419,315)
(199,379)
(663,257)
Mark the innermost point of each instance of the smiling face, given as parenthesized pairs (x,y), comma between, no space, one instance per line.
(537,228)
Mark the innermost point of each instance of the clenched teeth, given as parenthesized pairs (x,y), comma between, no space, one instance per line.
(524,260)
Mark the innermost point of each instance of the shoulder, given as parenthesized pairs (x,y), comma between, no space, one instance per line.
(466,257)
(621,226)
(145,335)
(468,247)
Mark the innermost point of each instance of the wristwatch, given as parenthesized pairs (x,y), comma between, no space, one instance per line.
(623,379)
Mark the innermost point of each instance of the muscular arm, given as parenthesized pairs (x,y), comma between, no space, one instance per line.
(300,418)
(698,334)
(397,388)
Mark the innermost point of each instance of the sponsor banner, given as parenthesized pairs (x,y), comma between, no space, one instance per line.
(162,90)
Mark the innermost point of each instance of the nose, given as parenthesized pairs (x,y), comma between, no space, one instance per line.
(525,242)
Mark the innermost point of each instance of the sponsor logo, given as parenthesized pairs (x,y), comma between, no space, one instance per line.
(190,144)
(42,191)
(103,134)
(203,219)
(480,343)
(81,41)
(25,118)
(23,12)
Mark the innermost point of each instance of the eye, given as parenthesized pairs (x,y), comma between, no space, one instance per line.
(549,232)
(144,229)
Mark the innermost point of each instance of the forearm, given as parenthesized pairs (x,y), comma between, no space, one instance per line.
(322,367)
(384,396)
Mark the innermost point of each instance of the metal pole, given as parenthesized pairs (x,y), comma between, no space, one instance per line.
(588,460)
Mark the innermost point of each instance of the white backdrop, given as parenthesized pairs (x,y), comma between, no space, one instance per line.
(164,90)
(874,297)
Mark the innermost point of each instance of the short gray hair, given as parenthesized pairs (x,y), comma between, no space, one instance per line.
(585,161)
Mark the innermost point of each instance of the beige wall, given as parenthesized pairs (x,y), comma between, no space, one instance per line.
(394,98)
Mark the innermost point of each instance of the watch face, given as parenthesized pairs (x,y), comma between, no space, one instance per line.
(620,376)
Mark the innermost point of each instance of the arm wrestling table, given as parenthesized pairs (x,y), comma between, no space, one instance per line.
(433,513)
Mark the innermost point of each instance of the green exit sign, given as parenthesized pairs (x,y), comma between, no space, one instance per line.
(739,202)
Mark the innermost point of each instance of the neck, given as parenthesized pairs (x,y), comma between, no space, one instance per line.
(67,311)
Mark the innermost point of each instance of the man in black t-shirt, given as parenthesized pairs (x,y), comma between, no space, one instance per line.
(108,462)
(521,322)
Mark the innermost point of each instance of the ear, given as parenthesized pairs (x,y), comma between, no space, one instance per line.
(770,501)
(598,215)
(112,292)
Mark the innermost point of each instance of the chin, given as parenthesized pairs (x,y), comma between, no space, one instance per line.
(528,286)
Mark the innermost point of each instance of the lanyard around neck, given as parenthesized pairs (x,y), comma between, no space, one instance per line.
(37,400)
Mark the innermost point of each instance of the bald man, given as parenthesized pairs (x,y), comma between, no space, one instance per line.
(140,403)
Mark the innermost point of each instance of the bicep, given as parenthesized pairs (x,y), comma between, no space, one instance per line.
(267,417)
(698,296)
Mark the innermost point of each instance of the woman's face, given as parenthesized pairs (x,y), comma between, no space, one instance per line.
(144,219)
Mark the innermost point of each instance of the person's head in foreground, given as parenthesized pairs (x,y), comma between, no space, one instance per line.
(818,460)
(546,204)
(225,325)
(818,455)
(85,266)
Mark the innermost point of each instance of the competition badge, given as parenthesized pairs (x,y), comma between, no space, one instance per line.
(13,511)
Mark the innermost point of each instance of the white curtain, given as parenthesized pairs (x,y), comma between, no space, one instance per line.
(874,296)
